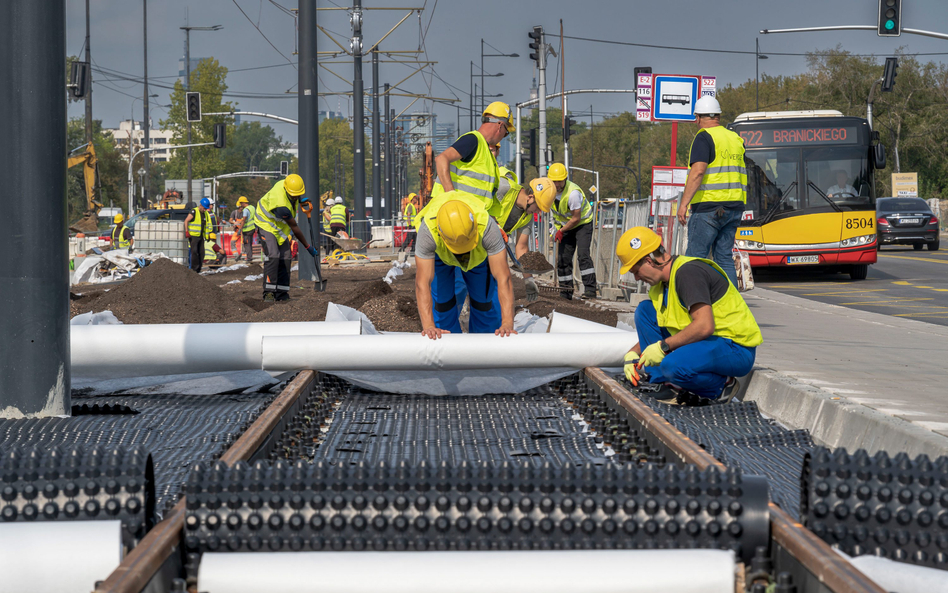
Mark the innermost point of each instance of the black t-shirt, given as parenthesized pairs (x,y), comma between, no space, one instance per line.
(698,283)
(702,151)
(282,212)
(466,146)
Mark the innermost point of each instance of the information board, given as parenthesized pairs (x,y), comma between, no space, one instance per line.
(905,185)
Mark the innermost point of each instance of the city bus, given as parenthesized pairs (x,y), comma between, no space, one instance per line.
(810,191)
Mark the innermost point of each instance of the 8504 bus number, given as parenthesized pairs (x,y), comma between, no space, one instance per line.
(858,223)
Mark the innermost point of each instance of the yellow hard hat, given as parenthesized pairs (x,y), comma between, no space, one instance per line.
(634,244)
(457,226)
(213,237)
(557,172)
(242,200)
(118,218)
(543,192)
(500,110)
(412,196)
(293,184)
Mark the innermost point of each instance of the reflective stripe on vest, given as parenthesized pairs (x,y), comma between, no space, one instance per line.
(337,215)
(479,177)
(477,255)
(120,242)
(562,214)
(410,213)
(505,172)
(725,180)
(249,224)
(732,318)
(502,208)
(195,228)
(266,221)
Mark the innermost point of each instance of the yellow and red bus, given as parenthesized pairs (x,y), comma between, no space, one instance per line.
(810,191)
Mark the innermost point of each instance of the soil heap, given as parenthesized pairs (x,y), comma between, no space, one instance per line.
(533,261)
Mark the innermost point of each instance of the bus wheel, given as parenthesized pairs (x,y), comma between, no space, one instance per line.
(859,272)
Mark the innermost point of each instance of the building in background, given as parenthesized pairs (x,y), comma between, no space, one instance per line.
(367,105)
(507,151)
(133,131)
(445,135)
(323,115)
(181,71)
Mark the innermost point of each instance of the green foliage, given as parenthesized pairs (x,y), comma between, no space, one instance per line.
(336,137)
(113,169)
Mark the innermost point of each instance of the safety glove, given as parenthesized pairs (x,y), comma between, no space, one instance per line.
(631,370)
(533,293)
(652,356)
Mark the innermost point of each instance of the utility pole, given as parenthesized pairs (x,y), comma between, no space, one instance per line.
(539,47)
(89,81)
(187,87)
(145,122)
(308,115)
(358,117)
(379,211)
(389,116)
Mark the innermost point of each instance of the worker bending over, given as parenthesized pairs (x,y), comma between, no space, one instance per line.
(276,220)
(245,226)
(338,218)
(197,229)
(456,232)
(572,217)
(695,332)
(514,213)
(121,235)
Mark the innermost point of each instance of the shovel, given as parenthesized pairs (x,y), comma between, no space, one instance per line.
(320,284)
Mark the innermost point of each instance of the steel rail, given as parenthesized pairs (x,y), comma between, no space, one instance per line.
(141,564)
(832,570)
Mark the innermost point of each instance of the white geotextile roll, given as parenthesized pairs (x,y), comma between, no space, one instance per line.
(180,348)
(573,571)
(451,352)
(58,556)
(561,323)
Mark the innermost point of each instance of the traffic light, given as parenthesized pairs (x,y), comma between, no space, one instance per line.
(567,128)
(220,140)
(890,18)
(78,75)
(536,44)
(888,76)
(533,147)
(284,168)
(193,106)
(641,70)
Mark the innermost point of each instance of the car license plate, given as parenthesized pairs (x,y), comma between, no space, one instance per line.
(910,221)
(803,259)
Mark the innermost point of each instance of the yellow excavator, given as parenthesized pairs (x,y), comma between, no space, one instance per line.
(85,154)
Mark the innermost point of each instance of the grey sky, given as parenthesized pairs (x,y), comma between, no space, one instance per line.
(454,39)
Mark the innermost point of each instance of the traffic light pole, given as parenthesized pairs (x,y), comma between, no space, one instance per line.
(565,140)
(358,116)
(541,96)
(854,28)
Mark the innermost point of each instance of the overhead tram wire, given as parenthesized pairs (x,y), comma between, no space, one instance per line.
(262,34)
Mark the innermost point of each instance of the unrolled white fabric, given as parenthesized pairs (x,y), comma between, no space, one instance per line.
(901,577)
(561,323)
(574,571)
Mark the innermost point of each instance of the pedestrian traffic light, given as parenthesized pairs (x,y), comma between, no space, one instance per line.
(890,18)
(78,75)
(888,75)
(220,140)
(193,106)
(536,44)
(284,168)
(567,128)
(533,147)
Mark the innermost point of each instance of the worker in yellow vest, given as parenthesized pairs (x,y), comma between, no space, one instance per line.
(197,228)
(245,227)
(276,222)
(338,218)
(572,218)
(696,333)
(456,232)
(411,211)
(514,213)
(716,188)
(121,236)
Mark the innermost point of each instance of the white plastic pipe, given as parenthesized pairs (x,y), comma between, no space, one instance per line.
(58,556)
(411,352)
(180,348)
(561,323)
(574,571)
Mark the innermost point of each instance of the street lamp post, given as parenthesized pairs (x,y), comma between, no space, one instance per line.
(187,82)
(497,55)
(757,76)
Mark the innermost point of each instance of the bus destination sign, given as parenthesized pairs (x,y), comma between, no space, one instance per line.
(800,136)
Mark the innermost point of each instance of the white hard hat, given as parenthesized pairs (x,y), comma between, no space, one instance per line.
(338,200)
(707,106)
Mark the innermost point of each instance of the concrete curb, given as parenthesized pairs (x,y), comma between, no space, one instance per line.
(835,422)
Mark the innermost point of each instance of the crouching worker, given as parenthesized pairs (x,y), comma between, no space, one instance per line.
(455,231)
(696,333)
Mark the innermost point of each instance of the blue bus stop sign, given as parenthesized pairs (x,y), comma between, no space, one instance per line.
(674,97)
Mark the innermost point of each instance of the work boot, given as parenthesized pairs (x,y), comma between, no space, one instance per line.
(731,387)
(282,296)
(566,295)
(269,297)
(681,397)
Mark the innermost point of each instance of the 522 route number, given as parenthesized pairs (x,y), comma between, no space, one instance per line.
(858,223)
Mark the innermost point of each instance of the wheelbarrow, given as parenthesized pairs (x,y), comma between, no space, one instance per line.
(347,249)
(349,244)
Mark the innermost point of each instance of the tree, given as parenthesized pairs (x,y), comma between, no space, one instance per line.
(335,137)
(112,169)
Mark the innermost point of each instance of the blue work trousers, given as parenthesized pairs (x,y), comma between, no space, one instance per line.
(713,233)
(702,367)
(482,290)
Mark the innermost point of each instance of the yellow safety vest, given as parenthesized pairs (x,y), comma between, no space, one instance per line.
(119,241)
(266,221)
(410,213)
(501,210)
(725,180)
(505,172)
(562,213)
(249,224)
(195,228)
(477,255)
(479,177)
(732,317)
(337,215)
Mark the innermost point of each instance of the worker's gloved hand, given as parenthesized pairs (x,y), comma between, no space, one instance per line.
(631,372)
(312,250)
(533,293)
(187,235)
(558,236)
(652,356)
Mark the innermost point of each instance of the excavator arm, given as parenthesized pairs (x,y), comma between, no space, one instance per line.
(89,223)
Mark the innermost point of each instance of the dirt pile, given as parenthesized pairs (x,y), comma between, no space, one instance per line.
(533,261)
(546,305)
(393,313)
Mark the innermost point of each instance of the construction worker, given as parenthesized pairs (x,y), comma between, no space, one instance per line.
(213,252)
(245,226)
(695,332)
(338,216)
(572,217)
(502,170)
(121,236)
(198,226)
(276,220)
(468,165)
(515,214)
(456,232)
(327,216)
(411,211)
(716,188)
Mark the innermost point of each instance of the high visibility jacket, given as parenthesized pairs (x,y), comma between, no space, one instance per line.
(562,213)
(337,215)
(266,221)
(118,239)
(249,221)
(501,210)
(478,178)
(725,180)
(326,222)
(732,318)
(430,217)
(411,211)
(505,172)
(200,225)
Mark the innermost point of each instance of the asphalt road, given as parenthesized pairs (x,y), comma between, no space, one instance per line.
(904,283)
